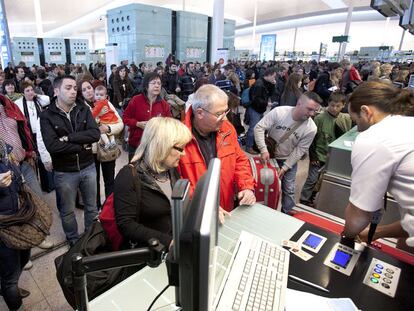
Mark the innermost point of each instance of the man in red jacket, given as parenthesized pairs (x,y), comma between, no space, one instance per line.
(214,136)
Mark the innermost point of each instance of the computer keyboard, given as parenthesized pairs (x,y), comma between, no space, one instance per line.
(256,278)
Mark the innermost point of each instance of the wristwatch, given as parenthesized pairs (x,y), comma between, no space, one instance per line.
(347,241)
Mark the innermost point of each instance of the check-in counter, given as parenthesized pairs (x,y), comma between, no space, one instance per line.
(137,292)
(335,188)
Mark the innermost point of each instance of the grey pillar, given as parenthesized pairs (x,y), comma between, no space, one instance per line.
(402,40)
(5,44)
(347,26)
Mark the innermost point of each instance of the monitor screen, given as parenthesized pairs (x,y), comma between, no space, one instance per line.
(341,258)
(198,243)
(411,82)
(312,241)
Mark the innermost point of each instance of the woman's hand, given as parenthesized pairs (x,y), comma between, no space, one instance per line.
(5,179)
(141,124)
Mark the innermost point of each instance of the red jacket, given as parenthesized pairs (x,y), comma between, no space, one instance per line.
(13,111)
(353,75)
(138,110)
(235,167)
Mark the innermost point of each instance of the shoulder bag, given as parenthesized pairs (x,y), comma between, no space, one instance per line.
(30,225)
(272,144)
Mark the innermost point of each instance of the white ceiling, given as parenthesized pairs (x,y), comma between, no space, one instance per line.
(86,19)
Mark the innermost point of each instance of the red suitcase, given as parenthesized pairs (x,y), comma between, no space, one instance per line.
(267,188)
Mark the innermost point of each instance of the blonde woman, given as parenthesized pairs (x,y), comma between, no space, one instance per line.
(155,159)
(385,71)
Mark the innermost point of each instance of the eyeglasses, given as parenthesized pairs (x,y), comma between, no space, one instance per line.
(179,149)
(218,115)
(155,83)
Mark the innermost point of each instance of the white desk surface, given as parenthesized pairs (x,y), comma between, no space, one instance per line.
(137,292)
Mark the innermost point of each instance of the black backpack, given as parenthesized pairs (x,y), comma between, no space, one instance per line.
(92,242)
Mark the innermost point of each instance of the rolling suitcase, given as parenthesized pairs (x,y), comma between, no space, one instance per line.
(267,188)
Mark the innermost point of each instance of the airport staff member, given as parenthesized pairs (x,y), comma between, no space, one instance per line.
(382,159)
(214,136)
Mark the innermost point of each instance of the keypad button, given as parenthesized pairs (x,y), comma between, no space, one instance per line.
(376,275)
(389,270)
(374,280)
(379,266)
(388,281)
(379,271)
(388,275)
(385,285)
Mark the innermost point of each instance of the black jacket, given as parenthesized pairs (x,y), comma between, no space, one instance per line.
(322,85)
(259,94)
(280,87)
(75,154)
(9,196)
(170,82)
(186,82)
(47,87)
(140,222)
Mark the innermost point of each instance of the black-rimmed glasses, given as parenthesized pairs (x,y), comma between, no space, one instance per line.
(179,149)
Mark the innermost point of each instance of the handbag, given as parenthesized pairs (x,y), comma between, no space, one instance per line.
(107,155)
(30,225)
(177,105)
(272,144)
(107,215)
(93,242)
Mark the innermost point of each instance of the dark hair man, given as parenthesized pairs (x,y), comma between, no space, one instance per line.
(260,96)
(382,160)
(68,130)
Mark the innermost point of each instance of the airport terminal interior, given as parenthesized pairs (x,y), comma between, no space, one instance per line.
(206,155)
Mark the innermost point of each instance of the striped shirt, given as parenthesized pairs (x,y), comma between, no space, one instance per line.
(10,134)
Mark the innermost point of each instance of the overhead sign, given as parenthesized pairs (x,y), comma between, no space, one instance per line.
(340,39)
(268,47)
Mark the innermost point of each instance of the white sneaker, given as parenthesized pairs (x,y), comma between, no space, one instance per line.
(28,266)
(46,244)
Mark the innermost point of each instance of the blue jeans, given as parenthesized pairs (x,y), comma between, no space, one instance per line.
(288,187)
(254,118)
(12,262)
(30,177)
(313,176)
(66,184)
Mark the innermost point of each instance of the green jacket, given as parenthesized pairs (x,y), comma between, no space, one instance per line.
(328,128)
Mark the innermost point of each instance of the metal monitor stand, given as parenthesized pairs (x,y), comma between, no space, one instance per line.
(151,255)
(181,198)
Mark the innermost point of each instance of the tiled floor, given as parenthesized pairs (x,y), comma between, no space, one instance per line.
(46,294)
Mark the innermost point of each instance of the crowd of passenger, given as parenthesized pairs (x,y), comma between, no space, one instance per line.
(172,119)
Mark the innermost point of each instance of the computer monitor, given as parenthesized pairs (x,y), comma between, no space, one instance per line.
(411,82)
(198,243)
